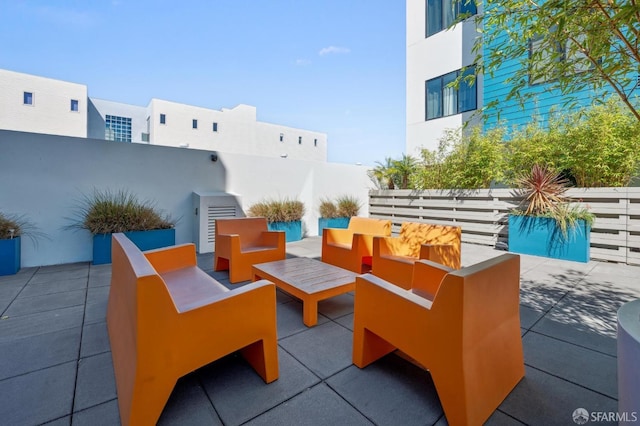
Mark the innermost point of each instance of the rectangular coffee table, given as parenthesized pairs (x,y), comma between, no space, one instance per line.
(307,279)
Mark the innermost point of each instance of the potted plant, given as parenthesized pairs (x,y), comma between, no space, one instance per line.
(546,223)
(282,215)
(12,229)
(337,214)
(105,212)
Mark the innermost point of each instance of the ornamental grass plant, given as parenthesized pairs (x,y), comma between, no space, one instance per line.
(285,210)
(103,212)
(13,226)
(344,206)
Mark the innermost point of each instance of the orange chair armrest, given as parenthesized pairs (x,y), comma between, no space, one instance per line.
(385,246)
(227,244)
(427,277)
(363,282)
(273,238)
(445,254)
(171,258)
(337,236)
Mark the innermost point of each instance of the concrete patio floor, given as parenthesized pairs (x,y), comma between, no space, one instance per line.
(55,360)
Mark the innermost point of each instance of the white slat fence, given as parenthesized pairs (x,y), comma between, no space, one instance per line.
(482,214)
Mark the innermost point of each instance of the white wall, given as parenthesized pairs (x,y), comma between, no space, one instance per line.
(238,132)
(427,58)
(45,176)
(51,110)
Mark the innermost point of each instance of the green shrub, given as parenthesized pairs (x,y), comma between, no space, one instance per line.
(278,210)
(465,159)
(106,211)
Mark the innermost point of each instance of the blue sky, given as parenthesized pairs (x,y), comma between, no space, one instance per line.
(334,66)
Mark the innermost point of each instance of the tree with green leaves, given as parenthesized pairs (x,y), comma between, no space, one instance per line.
(570,45)
(382,174)
(402,170)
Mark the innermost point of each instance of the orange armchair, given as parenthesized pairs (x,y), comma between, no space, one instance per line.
(352,248)
(393,257)
(167,318)
(242,242)
(465,329)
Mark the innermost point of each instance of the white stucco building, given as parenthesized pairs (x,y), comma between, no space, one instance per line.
(435,57)
(36,104)
(29,103)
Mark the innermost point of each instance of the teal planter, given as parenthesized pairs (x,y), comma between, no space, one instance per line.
(292,230)
(9,256)
(145,240)
(333,222)
(540,236)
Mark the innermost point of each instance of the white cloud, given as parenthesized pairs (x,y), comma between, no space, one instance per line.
(333,49)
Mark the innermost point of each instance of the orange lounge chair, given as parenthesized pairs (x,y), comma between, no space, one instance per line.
(464,328)
(241,243)
(393,257)
(167,318)
(352,248)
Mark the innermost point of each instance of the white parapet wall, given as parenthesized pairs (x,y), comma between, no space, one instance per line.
(44,177)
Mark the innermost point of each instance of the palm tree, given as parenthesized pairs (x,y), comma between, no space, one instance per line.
(402,169)
(383,174)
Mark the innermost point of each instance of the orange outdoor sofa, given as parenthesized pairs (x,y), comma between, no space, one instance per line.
(352,248)
(463,326)
(393,257)
(240,243)
(167,318)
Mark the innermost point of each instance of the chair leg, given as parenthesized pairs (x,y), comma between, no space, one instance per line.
(263,357)
(220,264)
(368,347)
(148,401)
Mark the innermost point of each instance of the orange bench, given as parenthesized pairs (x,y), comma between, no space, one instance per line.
(463,326)
(393,257)
(166,318)
(352,248)
(242,242)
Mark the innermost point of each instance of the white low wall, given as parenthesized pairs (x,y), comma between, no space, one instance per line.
(44,177)
(483,214)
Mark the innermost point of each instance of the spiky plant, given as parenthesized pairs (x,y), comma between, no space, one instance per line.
(10,227)
(544,190)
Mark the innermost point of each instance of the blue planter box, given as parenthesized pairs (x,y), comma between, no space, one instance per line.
(292,230)
(334,222)
(9,256)
(540,236)
(145,240)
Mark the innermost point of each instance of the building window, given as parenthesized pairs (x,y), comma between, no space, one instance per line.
(315,142)
(117,128)
(443,100)
(74,105)
(215,127)
(281,137)
(442,13)
(299,140)
(163,119)
(545,54)
(27,98)
(194,123)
